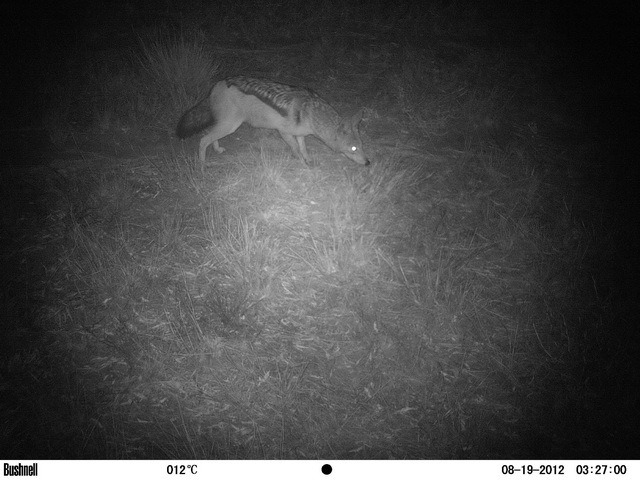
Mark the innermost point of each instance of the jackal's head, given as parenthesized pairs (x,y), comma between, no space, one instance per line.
(348,140)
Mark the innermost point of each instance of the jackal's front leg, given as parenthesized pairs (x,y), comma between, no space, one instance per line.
(303,152)
(299,148)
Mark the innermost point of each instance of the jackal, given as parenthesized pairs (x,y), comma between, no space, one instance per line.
(294,111)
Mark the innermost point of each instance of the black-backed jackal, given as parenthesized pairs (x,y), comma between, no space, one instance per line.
(294,111)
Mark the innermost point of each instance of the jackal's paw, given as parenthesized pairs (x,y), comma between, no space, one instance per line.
(219,149)
(310,163)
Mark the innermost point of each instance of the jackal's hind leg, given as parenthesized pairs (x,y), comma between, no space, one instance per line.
(217,147)
(220,130)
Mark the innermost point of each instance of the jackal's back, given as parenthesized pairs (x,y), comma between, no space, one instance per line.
(282,98)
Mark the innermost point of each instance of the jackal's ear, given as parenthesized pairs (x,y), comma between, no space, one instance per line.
(357,117)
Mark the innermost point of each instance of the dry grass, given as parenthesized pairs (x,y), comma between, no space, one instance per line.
(446,302)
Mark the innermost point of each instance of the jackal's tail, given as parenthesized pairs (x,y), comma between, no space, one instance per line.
(195,119)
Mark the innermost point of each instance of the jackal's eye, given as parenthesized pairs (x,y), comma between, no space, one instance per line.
(353,149)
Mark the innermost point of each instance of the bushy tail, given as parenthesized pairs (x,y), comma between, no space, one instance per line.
(195,119)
